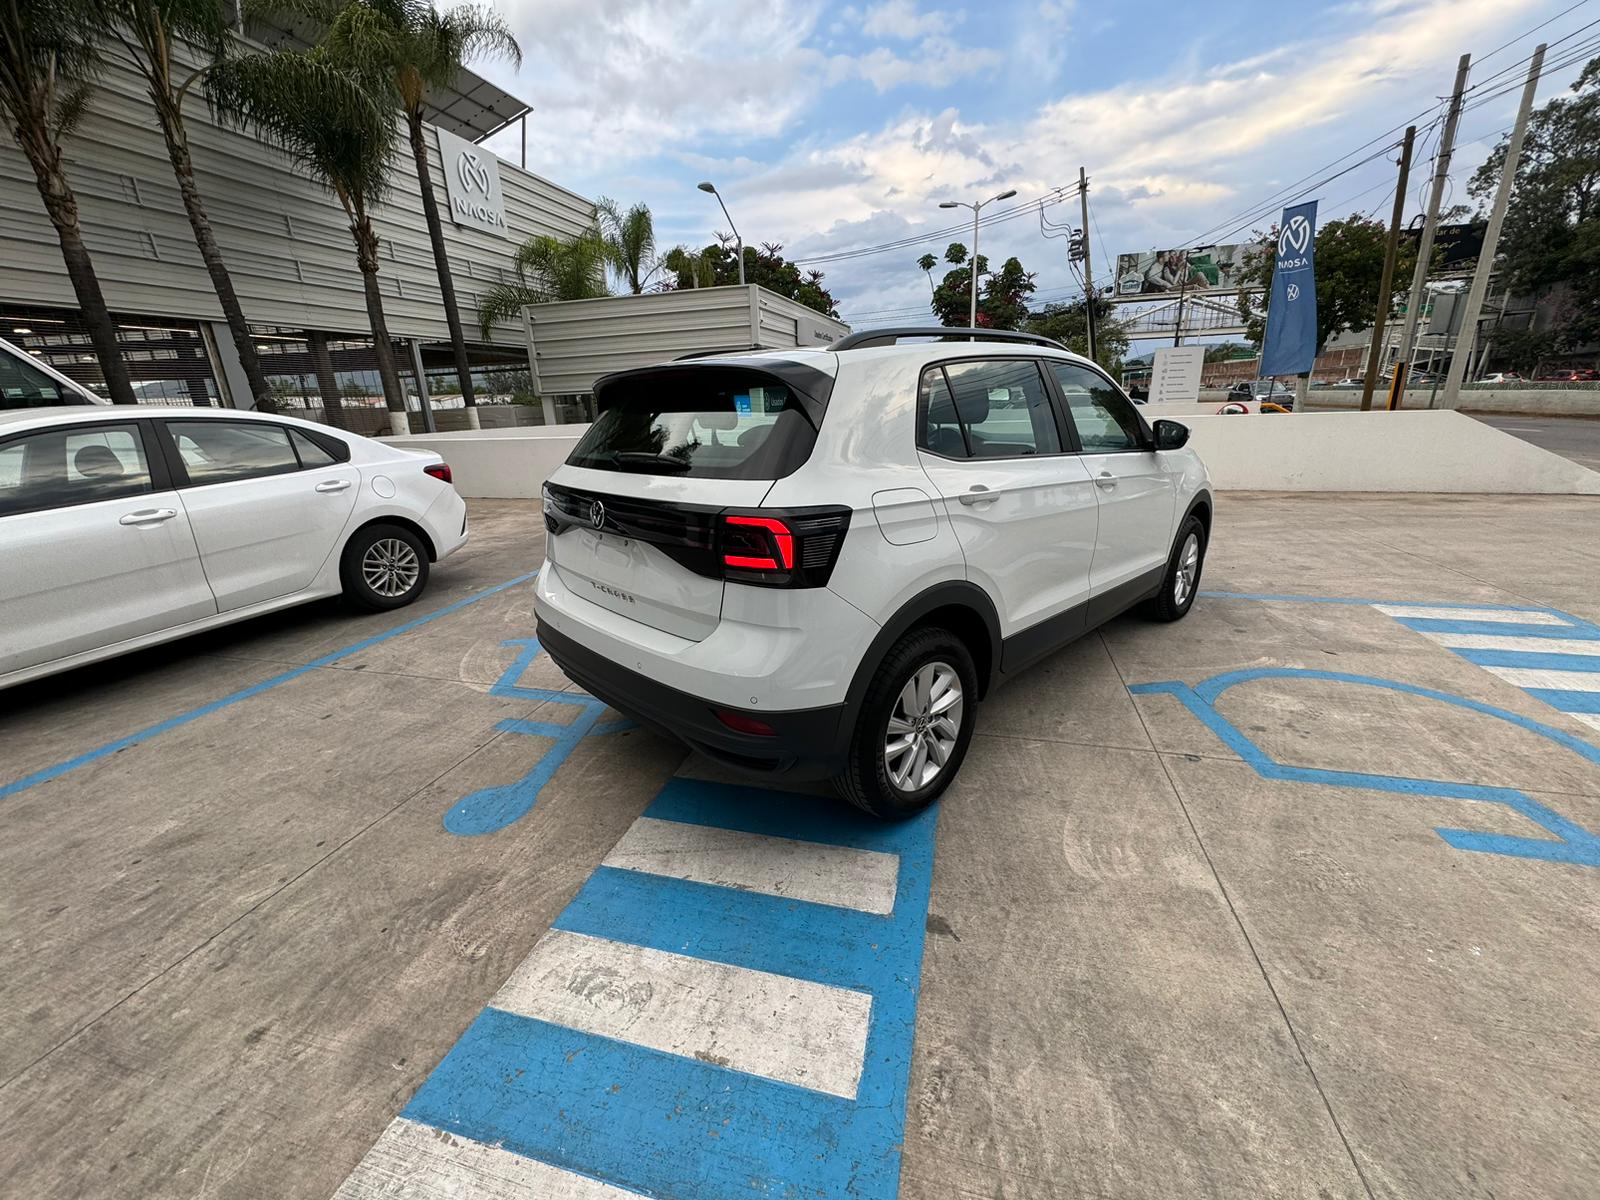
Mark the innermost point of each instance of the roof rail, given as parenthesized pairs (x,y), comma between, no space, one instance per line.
(888,337)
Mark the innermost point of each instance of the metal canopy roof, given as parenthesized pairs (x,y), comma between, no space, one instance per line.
(471,108)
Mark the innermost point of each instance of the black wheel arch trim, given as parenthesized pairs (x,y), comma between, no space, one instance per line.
(1203,496)
(955,593)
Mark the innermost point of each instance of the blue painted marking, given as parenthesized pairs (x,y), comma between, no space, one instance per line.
(1530,659)
(1572,702)
(490,810)
(1574,843)
(1498,628)
(668,1126)
(204,710)
(1365,602)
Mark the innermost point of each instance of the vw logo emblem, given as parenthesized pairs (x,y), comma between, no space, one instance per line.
(1296,236)
(1292,291)
(597,514)
(474,172)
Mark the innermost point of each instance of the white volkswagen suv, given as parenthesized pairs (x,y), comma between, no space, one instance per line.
(815,563)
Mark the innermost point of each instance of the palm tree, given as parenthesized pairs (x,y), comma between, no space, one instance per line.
(152,26)
(549,269)
(422,49)
(339,128)
(630,241)
(692,268)
(48,59)
(927,262)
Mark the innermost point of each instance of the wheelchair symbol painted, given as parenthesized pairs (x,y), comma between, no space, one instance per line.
(492,809)
(1571,842)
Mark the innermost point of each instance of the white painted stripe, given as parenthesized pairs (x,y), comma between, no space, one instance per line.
(1565,681)
(1587,718)
(1500,615)
(838,875)
(809,1034)
(1506,641)
(417,1162)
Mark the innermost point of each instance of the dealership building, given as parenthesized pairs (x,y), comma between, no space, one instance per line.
(288,247)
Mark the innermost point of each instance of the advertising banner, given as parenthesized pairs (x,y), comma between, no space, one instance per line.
(1153,274)
(1175,377)
(1290,344)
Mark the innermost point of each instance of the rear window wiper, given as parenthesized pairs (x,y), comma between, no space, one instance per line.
(643,460)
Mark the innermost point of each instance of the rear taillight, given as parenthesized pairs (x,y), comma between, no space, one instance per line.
(744,723)
(440,471)
(792,547)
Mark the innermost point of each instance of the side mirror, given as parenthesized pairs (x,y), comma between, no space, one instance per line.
(1170,435)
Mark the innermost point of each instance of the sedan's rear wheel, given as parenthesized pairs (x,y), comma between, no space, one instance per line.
(384,567)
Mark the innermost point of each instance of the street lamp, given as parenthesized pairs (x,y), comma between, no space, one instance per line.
(708,186)
(972,318)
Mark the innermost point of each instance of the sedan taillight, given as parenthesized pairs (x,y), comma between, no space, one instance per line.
(440,471)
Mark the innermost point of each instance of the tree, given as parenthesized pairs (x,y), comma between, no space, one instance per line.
(422,50)
(1002,299)
(926,264)
(766,266)
(630,239)
(1349,269)
(48,61)
(1551,235)
(1067,323)
(337,126)
(148,30)
(549,269)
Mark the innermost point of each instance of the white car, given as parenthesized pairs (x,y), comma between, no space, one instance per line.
(29,382)
(815,563)
(124,527)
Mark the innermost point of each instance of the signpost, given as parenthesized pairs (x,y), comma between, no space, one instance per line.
(1175,375)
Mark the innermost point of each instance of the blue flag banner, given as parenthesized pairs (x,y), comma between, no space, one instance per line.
(1290,344)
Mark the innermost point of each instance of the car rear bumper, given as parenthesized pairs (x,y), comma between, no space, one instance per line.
(807,744)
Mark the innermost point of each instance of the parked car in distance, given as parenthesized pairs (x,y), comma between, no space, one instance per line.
(26,382)
(1501,377)
(1262,389)
(1570,375)
(814,563)
(124,527)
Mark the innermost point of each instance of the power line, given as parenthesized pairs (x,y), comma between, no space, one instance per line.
(1529,33)
(921,239)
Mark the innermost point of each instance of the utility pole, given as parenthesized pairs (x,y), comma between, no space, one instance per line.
(1088,268)
(1491,236)
(1441,175)
(1390,253)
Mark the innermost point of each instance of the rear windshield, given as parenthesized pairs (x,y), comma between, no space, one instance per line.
(706,425)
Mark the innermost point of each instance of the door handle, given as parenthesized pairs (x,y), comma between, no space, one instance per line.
(148,516)
(977,494)
(1105,480)
(333,485)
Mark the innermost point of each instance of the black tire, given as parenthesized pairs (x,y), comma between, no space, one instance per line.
(1165,605)
(866,781)
(359,592)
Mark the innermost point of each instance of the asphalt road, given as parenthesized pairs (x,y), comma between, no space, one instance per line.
(1577,438)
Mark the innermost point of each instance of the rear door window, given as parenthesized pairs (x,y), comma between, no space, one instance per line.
(707,425)
(987,409)
(222,451)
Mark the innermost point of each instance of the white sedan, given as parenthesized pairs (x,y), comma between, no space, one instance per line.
(124,527)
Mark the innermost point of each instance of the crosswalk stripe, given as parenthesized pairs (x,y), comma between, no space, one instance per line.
(791,1030)
(1508,616)
(1559,681)
(1532,645)
(812,871)
(417,1162)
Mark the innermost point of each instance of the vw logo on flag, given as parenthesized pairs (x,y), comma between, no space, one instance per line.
(1296,236)
(474,173)
(1292,291)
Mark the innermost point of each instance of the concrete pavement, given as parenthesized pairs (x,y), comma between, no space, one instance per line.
(1172,941)
(1576,438)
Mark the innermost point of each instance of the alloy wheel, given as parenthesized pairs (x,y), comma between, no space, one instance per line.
(390,567)
(1188,570)
(924,725)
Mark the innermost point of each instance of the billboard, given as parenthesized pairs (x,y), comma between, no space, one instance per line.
(1153,274)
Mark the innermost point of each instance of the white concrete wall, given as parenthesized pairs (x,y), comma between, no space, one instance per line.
(1555,402)
(1436,451)
(1307,452)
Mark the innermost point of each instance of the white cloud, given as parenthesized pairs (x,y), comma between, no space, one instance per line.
(898,19)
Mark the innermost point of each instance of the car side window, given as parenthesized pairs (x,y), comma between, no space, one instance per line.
(59,468)
(311,454)
(988,409)
(1105,418)
(23,385)
(223,451)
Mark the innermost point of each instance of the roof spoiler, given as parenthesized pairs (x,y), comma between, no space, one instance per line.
(889,337)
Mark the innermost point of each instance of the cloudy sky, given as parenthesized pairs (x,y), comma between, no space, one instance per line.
(834,127)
